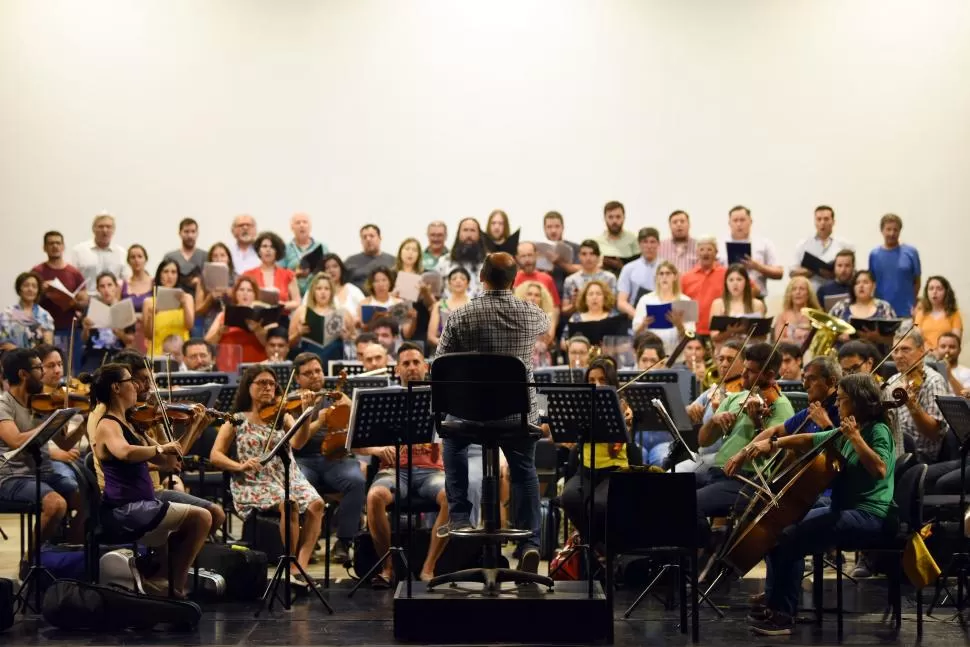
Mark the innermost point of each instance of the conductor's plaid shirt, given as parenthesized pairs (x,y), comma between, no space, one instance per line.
(497,322)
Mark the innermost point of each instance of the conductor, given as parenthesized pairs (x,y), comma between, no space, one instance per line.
(497,322)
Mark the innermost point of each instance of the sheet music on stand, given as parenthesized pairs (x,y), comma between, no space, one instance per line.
(379,417)
(672,427)
(568,410)
(284,442)
(640,397)
(956,412)
(43,434)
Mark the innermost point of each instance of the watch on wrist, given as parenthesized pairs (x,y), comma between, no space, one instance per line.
(158,450)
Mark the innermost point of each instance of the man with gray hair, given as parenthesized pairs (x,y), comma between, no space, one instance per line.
(437,235)
(244,255)
(100,254)
(920,419)
(705,282)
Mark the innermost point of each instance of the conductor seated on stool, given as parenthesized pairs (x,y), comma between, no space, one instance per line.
(427,474)
(862,509)
(338,474)
(497,322)
(717,492)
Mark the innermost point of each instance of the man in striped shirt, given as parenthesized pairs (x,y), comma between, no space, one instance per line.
(680,249)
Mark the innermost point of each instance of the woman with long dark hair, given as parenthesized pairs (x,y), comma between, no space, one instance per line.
(160,324)
(260,487)
(130,512)
(862,508)
(937,311)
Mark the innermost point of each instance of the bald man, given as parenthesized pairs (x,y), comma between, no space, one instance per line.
(301,245)
(497,322)
(374,357)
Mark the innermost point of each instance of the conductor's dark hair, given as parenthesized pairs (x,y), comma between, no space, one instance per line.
(762,355)
(499,270)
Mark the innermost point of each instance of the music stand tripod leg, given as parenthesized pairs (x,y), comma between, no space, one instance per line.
(36,570)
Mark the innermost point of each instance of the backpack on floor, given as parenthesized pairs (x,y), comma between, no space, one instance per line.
(73,605)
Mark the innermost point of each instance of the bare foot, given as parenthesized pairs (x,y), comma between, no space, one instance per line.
(426,576)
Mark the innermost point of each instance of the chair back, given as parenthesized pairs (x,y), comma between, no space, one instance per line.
(908,496)
(507,396)
(649,510)
(798,399)
(903,463)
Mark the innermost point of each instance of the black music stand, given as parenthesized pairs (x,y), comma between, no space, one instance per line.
(398,416)
(41,436)
(270,595)
(956,412)
(575,416)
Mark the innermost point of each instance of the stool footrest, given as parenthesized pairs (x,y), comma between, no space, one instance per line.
(481,533)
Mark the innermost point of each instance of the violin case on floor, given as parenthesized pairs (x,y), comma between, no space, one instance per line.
(73,605)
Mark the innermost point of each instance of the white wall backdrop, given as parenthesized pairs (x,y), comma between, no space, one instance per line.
(403,112)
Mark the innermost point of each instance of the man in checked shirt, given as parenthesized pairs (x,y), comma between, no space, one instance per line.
(497,322)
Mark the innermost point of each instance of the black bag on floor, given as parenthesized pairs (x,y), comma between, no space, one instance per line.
(6,604)
(459,554)
(262,532)
(243,569)
(69,604)
(549,518)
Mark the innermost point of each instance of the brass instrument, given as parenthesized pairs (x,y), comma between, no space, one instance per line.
(711,375)
(827,329)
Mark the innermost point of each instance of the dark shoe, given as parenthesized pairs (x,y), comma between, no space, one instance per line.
(447,528)
(758,600)
(758,614)
(340,552)
(862,569)
(529,561)
(380,582)
(775,623)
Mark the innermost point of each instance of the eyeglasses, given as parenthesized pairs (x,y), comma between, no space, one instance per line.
(264,384)
(127,379)
(37,367)
(851,370)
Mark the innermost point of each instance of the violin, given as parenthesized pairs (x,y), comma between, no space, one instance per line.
(58,397)
(292,403)
(176,412)
(336,417)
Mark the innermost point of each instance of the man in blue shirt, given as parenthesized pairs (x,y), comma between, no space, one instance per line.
(896,267)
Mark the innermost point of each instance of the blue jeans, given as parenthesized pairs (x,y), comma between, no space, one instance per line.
(24,488)
(655,445)
(820,529)
(521,456)
(343,476)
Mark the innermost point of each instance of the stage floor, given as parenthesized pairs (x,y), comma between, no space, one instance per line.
(366,619)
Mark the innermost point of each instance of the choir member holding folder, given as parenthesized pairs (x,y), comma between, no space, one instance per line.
(212,292)
(737,300)
(243,325)
(655,311)
(271,277)
(320,323)
(874,319)
(109,325)
(170,312)
(379,299)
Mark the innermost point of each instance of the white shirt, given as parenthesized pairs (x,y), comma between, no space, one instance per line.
(91,260)
(761,250)
(243,260)
(825,251)
(669,336)
(962,375)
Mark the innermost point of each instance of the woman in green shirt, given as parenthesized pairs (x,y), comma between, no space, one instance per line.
(862,508)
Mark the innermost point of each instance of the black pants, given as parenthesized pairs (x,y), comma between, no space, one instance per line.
(717,495)
(575,502)
(944,477)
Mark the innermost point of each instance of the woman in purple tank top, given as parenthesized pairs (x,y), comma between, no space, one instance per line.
(130,511)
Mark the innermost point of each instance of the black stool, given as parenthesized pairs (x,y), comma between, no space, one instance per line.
(484,391)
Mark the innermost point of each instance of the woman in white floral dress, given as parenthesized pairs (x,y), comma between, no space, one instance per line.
(258,487)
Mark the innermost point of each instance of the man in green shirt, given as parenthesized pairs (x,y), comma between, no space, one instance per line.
(717,492)
(862,509)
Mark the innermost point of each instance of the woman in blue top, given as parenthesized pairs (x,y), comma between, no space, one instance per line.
(862,508)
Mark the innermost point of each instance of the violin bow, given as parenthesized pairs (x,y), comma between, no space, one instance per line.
(166,423)
(720,385)
(279,411)
(70,356)
(774,349)
(899,341)
(641,374)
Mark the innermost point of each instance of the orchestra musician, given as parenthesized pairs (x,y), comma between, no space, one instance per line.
(497,322)
(861,509)
(171,489)
(338,474)
(130,509)
(921,418)
(717,492)
(427,471)
(609,457)
(256,487)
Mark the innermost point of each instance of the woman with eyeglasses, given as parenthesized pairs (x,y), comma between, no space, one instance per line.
(667,290)
(129,510)
(256,487)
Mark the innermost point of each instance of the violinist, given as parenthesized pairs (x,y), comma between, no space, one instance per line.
(717,492)
(609,457)
(858,356)
(22,369)
(338,475)
(703,408)
(654,443)
(791,362)
(52,359)
(921,418)
(154,433)
(257,487)
(821,380)
(862,508)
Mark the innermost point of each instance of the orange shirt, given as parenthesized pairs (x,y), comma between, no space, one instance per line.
(282,278)
(933,327)
(703,287)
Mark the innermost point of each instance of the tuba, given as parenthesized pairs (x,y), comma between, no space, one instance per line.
(826,330)
(711,375)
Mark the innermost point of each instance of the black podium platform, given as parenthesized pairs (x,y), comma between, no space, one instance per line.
(523,614)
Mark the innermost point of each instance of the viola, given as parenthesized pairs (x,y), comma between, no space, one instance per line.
(336,418)
(59,398)
(176,412)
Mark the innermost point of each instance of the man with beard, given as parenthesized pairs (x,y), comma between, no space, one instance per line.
(23,369)
(526,258)
(359,266)
(467,252)
(680,249)
(244,256)
(188,257)
(616,243)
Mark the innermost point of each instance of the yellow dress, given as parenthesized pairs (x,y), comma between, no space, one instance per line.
(168,323)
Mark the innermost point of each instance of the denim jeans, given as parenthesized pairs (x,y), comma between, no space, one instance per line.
(819,530)
(522,473)
(655,446)
(343,476)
